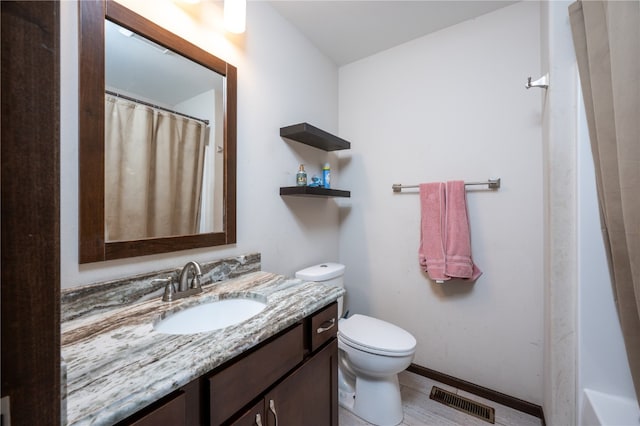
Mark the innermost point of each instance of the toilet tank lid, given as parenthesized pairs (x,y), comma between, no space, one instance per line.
(321,272)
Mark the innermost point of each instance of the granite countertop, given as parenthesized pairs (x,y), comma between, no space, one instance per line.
(116,363)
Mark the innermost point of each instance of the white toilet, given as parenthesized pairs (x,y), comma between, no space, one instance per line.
(371,354)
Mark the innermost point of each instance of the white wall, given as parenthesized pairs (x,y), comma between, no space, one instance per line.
(282,80)
(451,105)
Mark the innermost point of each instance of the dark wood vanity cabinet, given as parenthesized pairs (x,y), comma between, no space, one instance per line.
(169,412)
(289,380)
(254,416)
(246,379)
(180,408)
(308,396)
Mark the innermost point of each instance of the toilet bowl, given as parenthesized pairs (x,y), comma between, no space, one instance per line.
(371,354)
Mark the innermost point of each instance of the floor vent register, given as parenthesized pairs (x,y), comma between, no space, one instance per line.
(465,405)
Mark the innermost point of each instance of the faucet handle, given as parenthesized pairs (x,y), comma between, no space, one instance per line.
(169,291)
(169,288)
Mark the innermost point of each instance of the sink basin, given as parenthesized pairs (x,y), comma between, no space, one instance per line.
(210,316)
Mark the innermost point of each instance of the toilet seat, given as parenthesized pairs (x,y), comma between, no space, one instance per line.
(376,336)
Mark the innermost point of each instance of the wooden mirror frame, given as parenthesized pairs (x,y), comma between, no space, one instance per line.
(92,244)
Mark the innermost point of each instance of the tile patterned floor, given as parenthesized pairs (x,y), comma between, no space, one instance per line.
(419,410)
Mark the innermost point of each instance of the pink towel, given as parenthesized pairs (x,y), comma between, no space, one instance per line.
(432,230)
(458,262)
(445,242)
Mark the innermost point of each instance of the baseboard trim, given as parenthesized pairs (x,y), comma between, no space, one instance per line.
(500,398)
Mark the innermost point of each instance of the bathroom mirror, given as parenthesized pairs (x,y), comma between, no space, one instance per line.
(157,148)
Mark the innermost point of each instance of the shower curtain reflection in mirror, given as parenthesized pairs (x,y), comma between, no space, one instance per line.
(154,167)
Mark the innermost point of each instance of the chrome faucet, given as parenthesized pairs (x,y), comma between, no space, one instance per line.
(185,288)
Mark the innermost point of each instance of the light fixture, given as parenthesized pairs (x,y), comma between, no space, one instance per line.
(235,12)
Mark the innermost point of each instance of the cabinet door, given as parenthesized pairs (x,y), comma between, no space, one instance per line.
(309,396)
(253,417)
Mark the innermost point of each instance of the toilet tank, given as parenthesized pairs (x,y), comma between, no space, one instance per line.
(326,273)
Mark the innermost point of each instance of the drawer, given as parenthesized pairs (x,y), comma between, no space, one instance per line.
(324,326)
(238,384)
(168,412)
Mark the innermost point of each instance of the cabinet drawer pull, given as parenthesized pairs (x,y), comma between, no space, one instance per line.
(327,325)
(258,420)
(272,407)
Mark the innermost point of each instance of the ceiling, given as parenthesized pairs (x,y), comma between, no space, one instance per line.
(349,30)
(344,30)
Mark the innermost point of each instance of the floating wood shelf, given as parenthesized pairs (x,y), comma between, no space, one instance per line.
(309,135)
(313,191)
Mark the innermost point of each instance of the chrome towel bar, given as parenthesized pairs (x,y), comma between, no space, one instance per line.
(491,183)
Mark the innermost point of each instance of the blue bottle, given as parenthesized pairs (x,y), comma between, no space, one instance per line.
(326,176)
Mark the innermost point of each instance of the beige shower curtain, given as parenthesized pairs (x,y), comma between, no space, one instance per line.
(607,43)
(153,171)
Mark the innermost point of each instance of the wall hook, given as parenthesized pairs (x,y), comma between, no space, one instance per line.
(542,82)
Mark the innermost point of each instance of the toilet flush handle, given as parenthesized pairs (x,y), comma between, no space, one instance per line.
(327,325)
